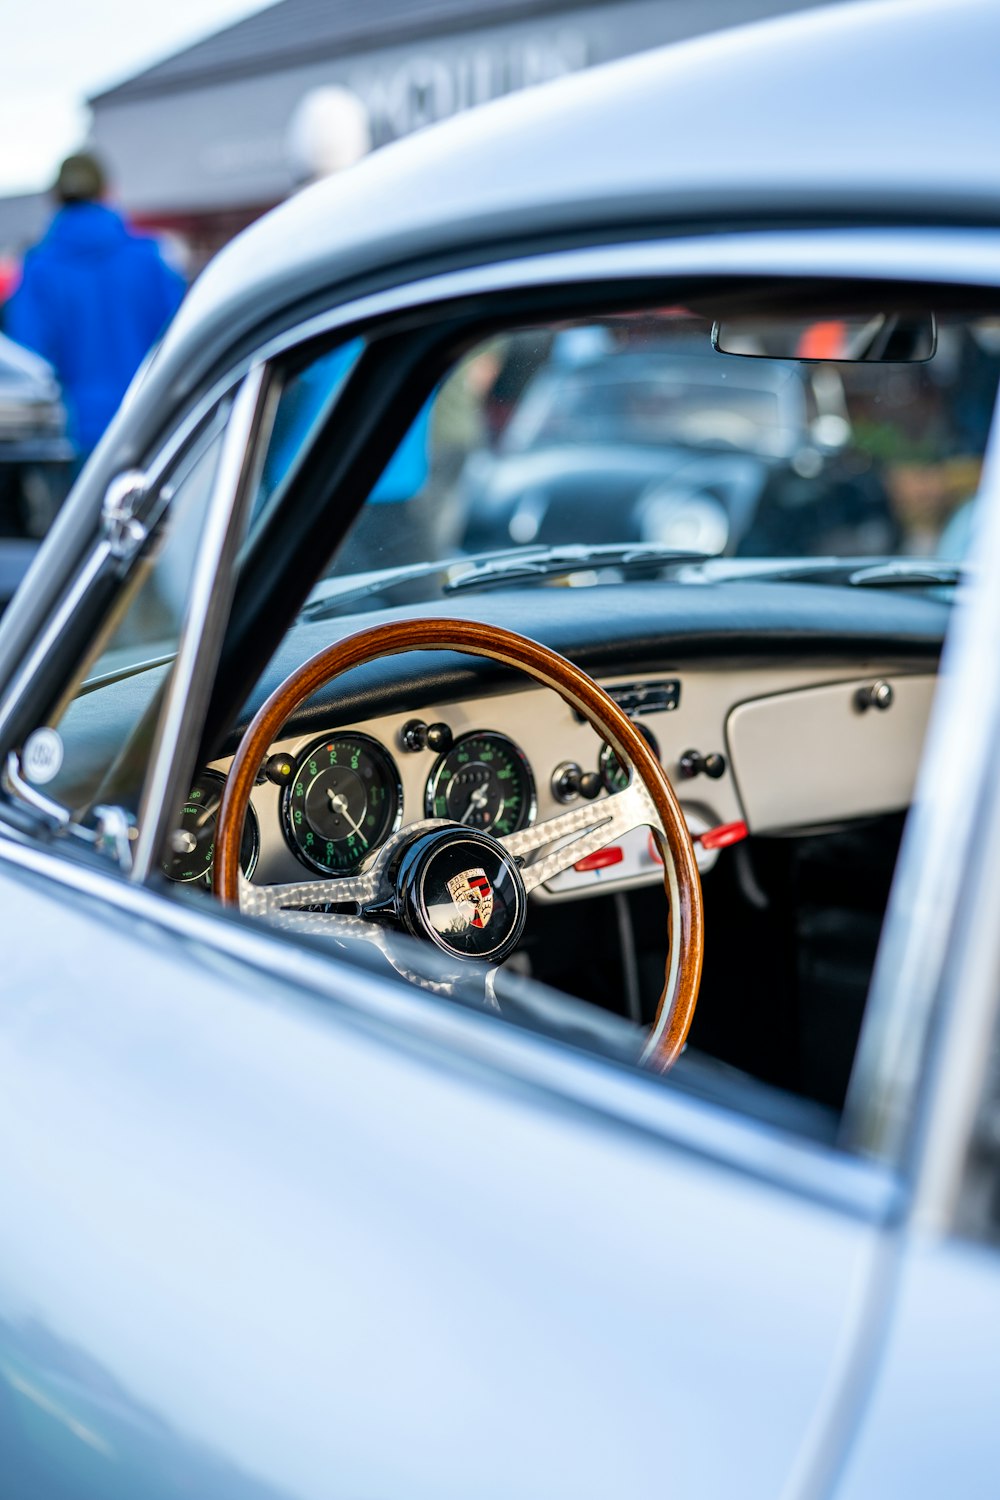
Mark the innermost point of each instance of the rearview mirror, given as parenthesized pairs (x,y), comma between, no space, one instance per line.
(862,338)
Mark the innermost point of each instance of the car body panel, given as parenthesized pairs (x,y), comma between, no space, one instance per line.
(932,1407)
(275,1281)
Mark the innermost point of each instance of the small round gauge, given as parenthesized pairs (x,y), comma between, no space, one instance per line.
(344,799)
(484,782)
(615,776)
(191,843)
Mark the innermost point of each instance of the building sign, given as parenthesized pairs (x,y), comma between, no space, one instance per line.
(429,86)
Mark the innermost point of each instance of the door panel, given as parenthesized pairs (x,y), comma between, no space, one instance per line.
(253,1248)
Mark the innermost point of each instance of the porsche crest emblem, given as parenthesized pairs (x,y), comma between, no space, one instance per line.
(473,896)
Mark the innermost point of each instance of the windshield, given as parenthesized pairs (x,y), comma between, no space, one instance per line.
(635,432)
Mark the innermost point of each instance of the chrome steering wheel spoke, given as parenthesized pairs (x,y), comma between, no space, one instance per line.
(278,901)
(581,831)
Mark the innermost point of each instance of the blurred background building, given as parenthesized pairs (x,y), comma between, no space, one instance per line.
(211,137)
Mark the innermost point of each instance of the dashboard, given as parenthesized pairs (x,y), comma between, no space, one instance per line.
(775,748)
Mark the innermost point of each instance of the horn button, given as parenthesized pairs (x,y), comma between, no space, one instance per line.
(462,890)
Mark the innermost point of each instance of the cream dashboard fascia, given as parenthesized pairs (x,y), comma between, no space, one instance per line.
(803,748)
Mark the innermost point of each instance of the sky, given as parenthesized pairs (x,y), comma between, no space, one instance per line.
(57,52)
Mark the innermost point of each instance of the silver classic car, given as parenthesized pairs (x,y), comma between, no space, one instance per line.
(519,1020)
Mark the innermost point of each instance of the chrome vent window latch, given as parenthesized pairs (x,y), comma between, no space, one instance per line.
(127,514)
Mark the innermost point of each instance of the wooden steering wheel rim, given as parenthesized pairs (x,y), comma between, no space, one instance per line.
(681,879)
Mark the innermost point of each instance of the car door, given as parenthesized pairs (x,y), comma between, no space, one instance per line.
(278,1226)
(274,1228)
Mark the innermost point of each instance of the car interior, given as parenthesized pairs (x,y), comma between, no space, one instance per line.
(741,509)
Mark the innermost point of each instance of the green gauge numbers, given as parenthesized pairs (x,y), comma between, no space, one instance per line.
(342,802)
(482,782)
(191,844)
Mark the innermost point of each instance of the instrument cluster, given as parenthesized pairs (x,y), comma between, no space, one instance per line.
(325,804)
(343,795)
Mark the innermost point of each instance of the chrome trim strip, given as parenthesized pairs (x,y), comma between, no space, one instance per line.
(640,1101)
(165,457)
(189,683)
(907,255)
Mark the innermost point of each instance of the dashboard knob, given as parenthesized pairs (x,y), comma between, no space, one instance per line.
(591,785)
(566,779)
(413,735)
(875,695)
(439,738)
(279,769)
(692,763)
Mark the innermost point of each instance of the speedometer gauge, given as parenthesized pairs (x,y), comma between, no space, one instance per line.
(191,844)
(343,801)
(483,782)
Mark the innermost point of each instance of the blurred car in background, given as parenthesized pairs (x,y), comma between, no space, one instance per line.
(35,453)
(35,459)
(666,444)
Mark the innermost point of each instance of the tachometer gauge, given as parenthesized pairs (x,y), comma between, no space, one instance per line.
(615,776)
(191,844)
(483,782)
(344,799)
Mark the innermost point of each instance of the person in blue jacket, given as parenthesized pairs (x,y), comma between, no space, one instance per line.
(94,297)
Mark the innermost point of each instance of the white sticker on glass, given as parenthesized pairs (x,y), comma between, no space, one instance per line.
(42,756)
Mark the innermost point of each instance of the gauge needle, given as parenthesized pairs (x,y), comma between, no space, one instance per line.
(477,802)
(207,811)
(338,803)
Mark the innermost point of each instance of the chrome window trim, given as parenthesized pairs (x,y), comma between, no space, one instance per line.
(973,255)
(622,1096)
(207,610)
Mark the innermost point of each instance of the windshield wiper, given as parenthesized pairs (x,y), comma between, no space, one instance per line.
(905,574)
(332,594)
(492,569)
(558,561)
(851,572)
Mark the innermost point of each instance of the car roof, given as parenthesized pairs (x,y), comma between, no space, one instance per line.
(882,107)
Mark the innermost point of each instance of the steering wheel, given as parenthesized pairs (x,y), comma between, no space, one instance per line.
(465,890)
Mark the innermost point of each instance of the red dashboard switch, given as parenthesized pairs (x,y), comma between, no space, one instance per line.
(724,835)
(600,859)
